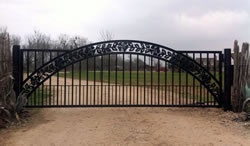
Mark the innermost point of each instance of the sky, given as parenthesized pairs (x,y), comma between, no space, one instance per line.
(178,24)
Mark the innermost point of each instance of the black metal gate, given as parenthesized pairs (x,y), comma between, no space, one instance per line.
(119,73)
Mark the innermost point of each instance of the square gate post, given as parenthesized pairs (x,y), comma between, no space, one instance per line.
(227,79)
(17,65)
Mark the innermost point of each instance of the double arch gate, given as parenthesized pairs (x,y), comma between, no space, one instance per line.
(119,73)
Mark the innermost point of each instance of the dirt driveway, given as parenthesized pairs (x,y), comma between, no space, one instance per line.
(128,126)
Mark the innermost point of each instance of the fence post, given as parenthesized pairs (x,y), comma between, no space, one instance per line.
(16,68)
(227,79)
(220,79)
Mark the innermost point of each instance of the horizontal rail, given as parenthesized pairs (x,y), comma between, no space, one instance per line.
(161,85)
(193,51)
(46,50)
(61,106)
(64,50)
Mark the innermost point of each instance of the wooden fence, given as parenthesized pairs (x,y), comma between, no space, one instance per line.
(241,64)
(7,94)
(5,66)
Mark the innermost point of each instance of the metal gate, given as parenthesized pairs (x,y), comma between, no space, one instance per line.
(119,73)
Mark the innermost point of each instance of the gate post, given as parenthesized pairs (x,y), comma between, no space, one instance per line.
(227,79)
(16,64)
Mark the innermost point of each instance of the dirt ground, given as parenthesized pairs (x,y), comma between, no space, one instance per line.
(128,126)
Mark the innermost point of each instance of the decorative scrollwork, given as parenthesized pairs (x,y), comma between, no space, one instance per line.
(123,46)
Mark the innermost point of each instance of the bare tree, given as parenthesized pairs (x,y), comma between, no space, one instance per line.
(3,30)
(38,40)
(63,42)
(106,35)
(15,39)
(77,41)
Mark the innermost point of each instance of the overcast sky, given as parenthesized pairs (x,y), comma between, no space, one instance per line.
(179,24)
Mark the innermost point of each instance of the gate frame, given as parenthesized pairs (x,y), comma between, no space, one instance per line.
(228,70)
(225,95)
(17,70)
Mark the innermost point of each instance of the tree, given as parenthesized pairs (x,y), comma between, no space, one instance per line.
(62,41)
(106,35)
(37,40)
(77,41)
(15,40)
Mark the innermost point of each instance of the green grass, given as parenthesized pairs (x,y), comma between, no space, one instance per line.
(38,97)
